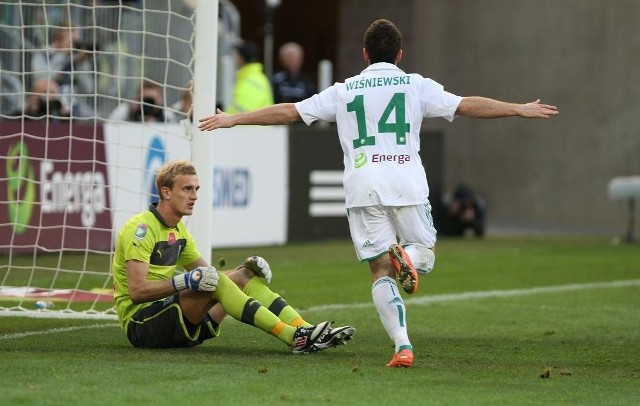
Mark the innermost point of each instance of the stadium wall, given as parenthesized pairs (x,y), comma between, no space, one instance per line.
(537,176)
(64,187)
(268,187)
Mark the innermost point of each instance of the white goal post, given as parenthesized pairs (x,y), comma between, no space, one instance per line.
(92,98)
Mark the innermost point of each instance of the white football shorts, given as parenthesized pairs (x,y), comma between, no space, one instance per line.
(375,228)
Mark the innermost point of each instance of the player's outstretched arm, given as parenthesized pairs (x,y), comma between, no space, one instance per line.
(283,113)
(483,107)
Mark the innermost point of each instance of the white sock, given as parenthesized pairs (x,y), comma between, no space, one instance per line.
(392,311)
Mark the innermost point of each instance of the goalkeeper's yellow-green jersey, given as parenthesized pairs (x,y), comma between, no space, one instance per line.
(146,237)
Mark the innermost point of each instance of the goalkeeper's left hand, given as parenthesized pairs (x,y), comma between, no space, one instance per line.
(259,266)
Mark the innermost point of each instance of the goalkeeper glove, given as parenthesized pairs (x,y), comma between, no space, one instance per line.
(202,278)
(259,266)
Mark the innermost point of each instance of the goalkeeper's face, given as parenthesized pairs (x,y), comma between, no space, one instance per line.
(183,195)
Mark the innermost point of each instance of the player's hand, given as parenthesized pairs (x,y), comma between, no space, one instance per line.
(219,120)
(202,278)
(537,110)
(209,279)
(259,266)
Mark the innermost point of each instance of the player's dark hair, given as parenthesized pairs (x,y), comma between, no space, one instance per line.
(383,41)
(168,172)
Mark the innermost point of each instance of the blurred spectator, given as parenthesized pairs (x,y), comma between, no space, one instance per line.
(44,99)
(183,108)
(252,89)
(12,95)
(464,212)
(289,85)
(69,63)
(148,107)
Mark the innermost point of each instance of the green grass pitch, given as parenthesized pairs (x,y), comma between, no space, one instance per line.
(519,321)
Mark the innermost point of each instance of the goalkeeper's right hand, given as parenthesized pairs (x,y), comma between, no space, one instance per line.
(202,278)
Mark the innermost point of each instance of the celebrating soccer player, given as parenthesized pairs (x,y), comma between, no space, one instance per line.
(378,114)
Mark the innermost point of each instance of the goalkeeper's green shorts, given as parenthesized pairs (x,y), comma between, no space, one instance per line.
(161,325)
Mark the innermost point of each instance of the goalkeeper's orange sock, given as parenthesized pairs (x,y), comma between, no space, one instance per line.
(249,311)
(258,290)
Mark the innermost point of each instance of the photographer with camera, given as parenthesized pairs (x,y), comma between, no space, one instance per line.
(68,62)
(148,106)
(42,100)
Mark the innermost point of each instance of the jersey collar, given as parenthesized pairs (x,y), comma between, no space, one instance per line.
(379,66)
(153,208)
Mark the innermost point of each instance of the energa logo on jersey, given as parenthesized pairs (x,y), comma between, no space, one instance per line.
(360,161)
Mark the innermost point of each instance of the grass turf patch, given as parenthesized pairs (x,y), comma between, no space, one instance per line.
(562,347)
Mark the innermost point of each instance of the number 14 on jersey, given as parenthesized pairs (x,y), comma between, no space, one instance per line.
(399,127)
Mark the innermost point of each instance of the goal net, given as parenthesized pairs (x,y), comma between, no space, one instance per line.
(94,97)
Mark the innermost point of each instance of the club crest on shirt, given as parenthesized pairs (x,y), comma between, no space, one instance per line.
(141,231)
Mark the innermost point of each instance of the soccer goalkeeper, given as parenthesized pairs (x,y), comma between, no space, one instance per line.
(158,308)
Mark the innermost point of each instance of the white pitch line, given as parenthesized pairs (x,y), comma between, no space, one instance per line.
(423,300)
(450,297)
(53,331)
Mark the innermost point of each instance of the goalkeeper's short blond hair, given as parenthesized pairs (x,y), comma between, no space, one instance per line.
(167,173)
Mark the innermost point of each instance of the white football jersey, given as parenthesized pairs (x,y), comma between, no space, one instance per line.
(378,114)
